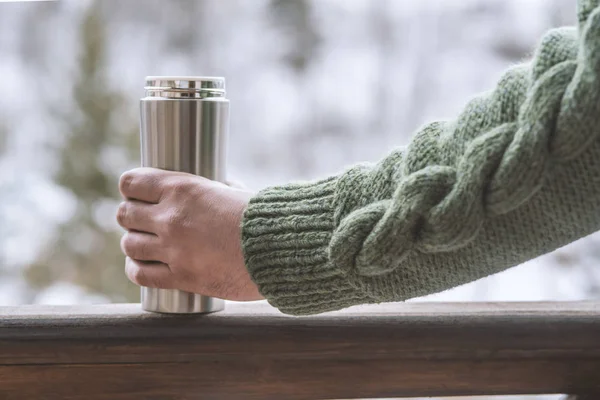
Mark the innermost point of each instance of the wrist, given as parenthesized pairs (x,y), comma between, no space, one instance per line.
(286,233)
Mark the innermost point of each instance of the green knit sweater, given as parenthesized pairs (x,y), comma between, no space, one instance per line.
(516,175)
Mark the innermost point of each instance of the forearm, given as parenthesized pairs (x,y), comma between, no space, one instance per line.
(516,175)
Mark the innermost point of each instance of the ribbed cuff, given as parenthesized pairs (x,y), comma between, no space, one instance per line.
(285,234)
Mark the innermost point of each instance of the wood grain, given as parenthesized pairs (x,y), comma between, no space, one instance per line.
(250,351)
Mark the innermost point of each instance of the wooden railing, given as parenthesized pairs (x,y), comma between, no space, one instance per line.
(250,351)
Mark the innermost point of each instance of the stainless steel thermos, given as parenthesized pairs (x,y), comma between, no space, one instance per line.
(183,127)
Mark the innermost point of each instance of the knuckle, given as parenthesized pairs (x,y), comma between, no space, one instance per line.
(125,181)
(127,245)
(179,187)
(132,271)
(122,213)
(135,248)
(162,222)
(138,275)
(176,219)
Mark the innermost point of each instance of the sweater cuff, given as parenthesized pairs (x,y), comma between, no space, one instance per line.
(286,233)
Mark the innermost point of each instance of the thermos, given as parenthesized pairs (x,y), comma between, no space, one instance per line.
(183,127)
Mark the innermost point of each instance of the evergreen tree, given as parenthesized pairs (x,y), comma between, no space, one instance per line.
(86,249)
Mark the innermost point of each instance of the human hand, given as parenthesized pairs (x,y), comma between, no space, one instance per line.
(184,233)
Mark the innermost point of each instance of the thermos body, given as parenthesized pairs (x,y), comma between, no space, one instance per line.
(184,123)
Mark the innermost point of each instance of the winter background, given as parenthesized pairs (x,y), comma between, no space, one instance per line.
(314,86)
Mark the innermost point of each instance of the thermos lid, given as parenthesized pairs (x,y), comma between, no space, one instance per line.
(185,86)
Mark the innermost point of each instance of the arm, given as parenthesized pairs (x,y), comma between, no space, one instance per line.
(516,175)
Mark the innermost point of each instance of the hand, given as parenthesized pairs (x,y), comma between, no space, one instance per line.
(184,233)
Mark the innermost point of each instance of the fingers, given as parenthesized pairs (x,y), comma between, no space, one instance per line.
(137,215)
(143,246)
(149,274)
(144,184)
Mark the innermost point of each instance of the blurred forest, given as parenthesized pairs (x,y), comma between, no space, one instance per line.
(315,85)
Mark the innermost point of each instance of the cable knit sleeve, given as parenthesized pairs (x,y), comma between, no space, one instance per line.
(516,175)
